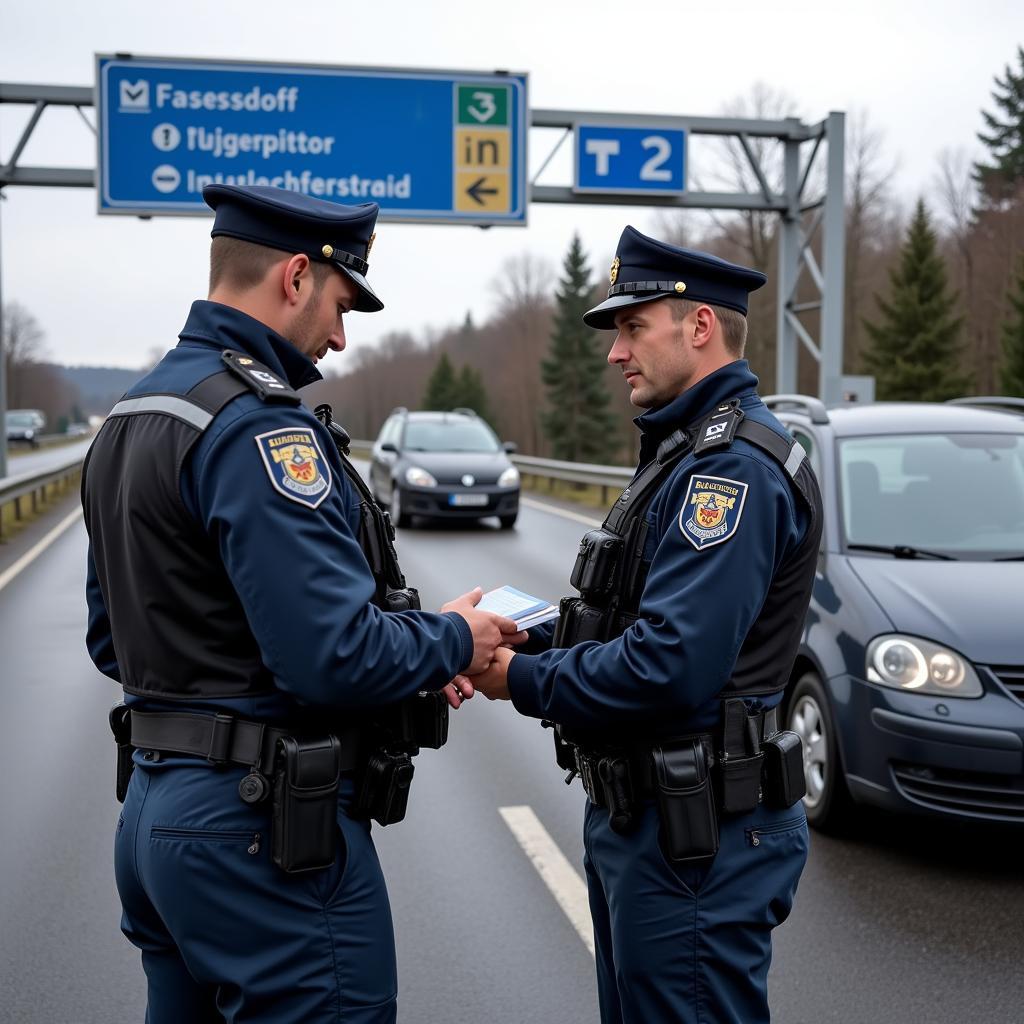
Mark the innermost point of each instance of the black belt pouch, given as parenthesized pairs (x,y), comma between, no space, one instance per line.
(384,792)
(305,807)
(579,622)
(740,783)
(121,726)
(784,779)
(689,824)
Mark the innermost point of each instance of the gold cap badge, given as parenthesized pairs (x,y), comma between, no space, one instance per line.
(369,244)
(245,362)
(680,286)
(328,251)
(614,273)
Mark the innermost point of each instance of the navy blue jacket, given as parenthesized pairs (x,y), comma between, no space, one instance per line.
(303,582)
(698,604)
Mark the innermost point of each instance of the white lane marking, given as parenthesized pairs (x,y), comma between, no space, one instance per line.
(556,511)
(558,874)
(34,552)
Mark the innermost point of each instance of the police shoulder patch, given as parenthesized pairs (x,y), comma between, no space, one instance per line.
(711,510)
(295,464)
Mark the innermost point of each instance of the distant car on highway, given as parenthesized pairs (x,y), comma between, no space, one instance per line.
(25,426)
(443,465)
(908,690)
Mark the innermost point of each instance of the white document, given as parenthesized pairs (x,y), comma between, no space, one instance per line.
(525,609)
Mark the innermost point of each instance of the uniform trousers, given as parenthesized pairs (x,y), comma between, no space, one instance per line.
(225,935)
(690,943)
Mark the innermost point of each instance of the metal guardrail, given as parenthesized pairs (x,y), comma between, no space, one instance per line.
(32,488)
(606,477)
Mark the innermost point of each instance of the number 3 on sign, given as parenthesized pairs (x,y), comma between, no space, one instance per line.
(487,109)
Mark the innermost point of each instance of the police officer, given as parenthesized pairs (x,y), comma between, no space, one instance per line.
(664,675)
(230,596)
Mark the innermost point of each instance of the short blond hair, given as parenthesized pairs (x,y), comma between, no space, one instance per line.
(734,325)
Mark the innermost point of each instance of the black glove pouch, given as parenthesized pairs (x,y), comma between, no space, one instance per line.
(686,803)
(428,718)
(121,727)
(579,622)
(304,830)
(784,779)
(384,789)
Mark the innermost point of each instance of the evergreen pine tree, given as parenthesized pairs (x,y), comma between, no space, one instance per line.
(999,179)
(442,388)
(577,422)
(472,394)
(914,348)
(1012,371)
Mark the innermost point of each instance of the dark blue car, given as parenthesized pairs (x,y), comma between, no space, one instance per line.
(908,690)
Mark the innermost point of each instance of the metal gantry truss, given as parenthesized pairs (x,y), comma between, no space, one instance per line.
(802,216)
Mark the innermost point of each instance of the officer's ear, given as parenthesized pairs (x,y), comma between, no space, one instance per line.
(296,279)
(704,325)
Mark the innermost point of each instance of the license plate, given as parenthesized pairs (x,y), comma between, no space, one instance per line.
(471,500)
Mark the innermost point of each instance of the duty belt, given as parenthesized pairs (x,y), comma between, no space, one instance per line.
(223,739)
(615,777)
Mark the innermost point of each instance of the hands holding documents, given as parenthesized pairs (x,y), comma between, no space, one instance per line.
(513,609)
(490,631)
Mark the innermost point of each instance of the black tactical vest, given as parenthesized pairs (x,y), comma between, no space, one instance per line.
(610,572)
(178,627)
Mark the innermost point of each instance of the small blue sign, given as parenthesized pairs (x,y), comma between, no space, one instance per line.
(621,160)
(434,146)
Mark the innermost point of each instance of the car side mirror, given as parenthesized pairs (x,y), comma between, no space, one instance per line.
(388,446)
(510,447)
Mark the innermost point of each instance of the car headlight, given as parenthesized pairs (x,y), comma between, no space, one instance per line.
(920,666)
(419,477)
(510,478)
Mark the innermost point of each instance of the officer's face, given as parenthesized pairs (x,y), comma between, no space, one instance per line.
(652,351)
(318,326)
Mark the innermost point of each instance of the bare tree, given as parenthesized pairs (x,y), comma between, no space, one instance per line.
(869,212)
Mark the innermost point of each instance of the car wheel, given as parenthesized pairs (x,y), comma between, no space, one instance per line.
(827,803)
(507,522)
(398,517)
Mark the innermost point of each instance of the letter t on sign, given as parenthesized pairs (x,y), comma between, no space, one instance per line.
(602,149)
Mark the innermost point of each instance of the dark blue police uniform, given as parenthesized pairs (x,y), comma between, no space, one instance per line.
(690,941)
(225,576)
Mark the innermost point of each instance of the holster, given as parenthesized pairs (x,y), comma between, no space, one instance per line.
(121,727)
(304,823)
(686,801)
(740,760)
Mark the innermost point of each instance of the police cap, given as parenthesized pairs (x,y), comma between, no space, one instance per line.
(281,219)
(645,269)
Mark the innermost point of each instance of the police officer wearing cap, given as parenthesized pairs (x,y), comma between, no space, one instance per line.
(243,592)
(664,675)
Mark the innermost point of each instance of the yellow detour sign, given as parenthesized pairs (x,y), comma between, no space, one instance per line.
(483,149)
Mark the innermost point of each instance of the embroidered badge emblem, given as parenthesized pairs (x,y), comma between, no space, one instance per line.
(711,510)
(295,464)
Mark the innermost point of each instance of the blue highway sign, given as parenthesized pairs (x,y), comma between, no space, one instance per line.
(434,146)
(629,160)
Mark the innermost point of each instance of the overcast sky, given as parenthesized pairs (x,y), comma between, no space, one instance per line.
(107,290)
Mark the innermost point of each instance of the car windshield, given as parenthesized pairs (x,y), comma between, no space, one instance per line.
(959,495)
(20,419)
(449,436)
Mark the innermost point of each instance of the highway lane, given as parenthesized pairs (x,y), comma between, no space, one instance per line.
(31,461)
(909,922)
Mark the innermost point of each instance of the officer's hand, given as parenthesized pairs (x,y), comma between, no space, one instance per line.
(493,682)
(489,631)
(458,690)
